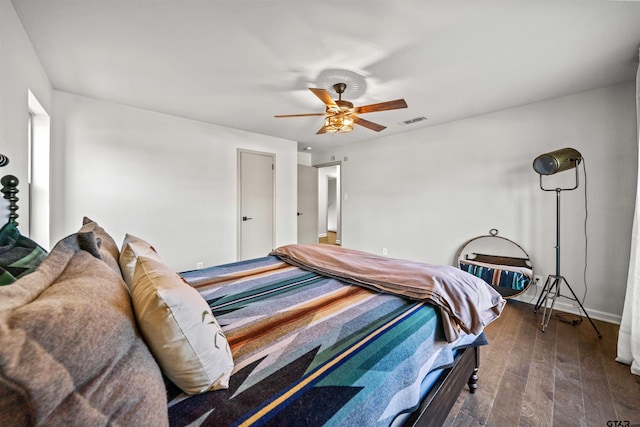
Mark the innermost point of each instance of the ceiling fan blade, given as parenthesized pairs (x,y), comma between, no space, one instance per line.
(369,125)
(322,130)
(382,106)
(279,116)
(324,96)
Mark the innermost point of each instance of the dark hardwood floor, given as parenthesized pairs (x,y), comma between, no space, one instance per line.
(564,376)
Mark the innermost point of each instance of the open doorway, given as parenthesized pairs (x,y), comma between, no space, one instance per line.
(329,204)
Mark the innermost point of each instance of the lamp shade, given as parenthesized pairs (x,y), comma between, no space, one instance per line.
(557,161)
(340,122)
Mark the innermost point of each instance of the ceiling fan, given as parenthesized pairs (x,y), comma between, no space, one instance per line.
(340,115)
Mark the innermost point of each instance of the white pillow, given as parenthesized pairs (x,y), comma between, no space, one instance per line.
(179,328)
(132,248)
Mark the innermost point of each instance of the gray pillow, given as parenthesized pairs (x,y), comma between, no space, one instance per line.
(109,251)
(70,351)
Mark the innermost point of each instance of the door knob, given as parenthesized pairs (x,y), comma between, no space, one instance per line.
(246,218)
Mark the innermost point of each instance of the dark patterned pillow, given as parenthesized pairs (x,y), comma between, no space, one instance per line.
(19,255)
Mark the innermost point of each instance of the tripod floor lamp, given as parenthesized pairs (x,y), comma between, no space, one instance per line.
(549,164)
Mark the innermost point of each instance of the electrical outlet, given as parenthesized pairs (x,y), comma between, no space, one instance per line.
(200,265)
(384,251)
(538,280)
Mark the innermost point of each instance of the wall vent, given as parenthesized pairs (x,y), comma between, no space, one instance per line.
(412,121)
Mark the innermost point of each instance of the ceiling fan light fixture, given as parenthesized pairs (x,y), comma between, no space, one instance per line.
(339,123)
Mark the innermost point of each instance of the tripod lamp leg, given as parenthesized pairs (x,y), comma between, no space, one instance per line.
(554,290)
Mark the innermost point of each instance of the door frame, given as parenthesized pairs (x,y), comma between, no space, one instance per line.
(239,152)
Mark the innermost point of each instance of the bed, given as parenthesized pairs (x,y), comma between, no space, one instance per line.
(309,347)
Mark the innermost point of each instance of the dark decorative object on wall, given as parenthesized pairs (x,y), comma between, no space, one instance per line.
(10,189)
(19,255)
(4,160)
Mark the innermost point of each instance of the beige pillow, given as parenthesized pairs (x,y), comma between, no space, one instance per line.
(132,248)
(180,329)
(70,350)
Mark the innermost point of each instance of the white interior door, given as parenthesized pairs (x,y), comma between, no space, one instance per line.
(257,201)
(307,204)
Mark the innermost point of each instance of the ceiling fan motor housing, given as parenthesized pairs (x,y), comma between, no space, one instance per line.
(340,88)
(343,107)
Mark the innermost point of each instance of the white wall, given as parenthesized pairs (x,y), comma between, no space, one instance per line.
(168,180)
(422,194)
(20,71)
(304,159)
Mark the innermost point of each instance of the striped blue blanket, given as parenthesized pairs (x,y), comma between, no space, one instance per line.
(310,350)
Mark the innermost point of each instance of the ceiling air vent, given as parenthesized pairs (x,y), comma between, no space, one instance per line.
(412,121)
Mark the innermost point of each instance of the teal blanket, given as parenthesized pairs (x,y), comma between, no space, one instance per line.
(310,350)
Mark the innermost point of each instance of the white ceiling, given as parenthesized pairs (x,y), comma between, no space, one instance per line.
(238,63)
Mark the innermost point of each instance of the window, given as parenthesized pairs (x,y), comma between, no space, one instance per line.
(39,131)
